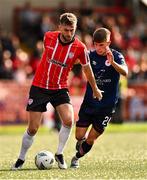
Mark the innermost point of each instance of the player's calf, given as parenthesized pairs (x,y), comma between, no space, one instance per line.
(84,148)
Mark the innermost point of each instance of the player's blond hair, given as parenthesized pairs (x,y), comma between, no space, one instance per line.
(68,19)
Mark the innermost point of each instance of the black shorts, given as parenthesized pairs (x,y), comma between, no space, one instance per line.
(98,121)
(39,98)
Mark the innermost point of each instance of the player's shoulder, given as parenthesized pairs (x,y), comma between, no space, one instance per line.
(51,34)
(92,53)
(117,53)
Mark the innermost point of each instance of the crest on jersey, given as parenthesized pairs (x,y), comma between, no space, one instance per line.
(30,101)
(94,63)
(71,55)
(107,63)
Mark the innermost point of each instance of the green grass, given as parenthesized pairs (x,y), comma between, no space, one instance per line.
(120,153)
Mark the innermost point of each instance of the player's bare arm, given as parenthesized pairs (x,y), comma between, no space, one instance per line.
(97,93)
(122,69)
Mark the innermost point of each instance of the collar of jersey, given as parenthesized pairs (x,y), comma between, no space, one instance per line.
(64,44)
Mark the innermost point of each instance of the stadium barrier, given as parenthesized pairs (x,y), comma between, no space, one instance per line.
(13,99)
(135,106)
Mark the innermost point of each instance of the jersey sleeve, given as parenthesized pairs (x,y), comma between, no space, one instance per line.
(84,56)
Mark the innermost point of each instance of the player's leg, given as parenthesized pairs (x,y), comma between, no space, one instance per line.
(66,115)
(33,125)
(81,126)
(85,147)
(80,135)
(88,143)
(28,137)
(85,120)
(99,124)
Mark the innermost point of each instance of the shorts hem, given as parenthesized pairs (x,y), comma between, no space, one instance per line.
(77,125)
(35,110)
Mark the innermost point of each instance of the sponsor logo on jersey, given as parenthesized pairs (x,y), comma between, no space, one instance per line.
(30,101)
(100,78)
(58,63)
(100,73)
(71,55)
(102,81)
(107,63)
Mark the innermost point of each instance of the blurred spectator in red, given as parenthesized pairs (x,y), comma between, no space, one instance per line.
(36,55)
(22,68)
(139,73)
(130,59)
(77,81)
(135,41)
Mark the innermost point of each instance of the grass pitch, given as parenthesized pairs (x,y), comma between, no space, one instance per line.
(120,153)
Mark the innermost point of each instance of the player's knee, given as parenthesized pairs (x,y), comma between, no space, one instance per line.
(79,137)
(32,131)
(69,122)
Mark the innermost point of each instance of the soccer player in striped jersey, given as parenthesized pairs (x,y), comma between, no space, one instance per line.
(61,50)
(107,65)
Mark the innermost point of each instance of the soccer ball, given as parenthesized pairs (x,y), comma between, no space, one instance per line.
(44,160)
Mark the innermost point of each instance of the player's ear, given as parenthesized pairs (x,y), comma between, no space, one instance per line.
(59,26)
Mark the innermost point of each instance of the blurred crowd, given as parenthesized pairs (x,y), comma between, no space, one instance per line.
(20,51)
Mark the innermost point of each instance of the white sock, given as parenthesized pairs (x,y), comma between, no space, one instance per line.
(64,134)
(27,141)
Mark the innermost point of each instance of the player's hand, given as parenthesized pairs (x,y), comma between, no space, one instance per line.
(98,94)
(109,55)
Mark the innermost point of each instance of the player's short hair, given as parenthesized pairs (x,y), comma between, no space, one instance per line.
(68,19)
(101,35)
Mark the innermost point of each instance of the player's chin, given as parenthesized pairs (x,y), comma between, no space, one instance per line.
(102,53)
(68,39)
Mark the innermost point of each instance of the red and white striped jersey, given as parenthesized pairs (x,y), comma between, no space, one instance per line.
(57,60)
